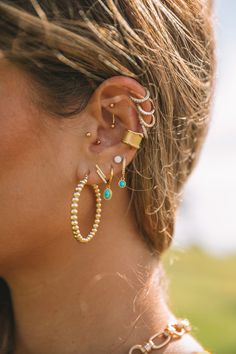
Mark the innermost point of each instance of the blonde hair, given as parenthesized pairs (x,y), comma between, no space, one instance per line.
(70,47)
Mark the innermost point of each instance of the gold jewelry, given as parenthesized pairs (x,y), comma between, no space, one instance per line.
(172,331)
(88,134)
(112,105)
(122,181)
(113,121)
(98,142)
(101,174)
(107,194)
(132,138)
(74,211)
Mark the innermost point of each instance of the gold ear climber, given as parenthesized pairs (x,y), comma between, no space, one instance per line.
(74,211)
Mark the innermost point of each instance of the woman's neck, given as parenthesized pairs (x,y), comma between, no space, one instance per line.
(103,298)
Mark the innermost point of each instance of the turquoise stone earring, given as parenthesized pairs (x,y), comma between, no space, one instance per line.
(122,181)
(107,194)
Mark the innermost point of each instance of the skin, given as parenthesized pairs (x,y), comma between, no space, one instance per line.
(69,296)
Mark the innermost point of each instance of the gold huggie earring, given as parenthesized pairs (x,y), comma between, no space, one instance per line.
(122,181)
(108,192)
(74,211)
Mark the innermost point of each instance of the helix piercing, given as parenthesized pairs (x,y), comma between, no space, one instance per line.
(143,99)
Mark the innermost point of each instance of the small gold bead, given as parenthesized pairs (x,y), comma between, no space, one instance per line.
(74,205)
(75,227)
(112,105)
(88,134)
(98,142)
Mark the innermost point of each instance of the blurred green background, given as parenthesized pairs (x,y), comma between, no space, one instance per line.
(202,288)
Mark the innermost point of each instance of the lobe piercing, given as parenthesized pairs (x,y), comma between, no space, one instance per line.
(117,159)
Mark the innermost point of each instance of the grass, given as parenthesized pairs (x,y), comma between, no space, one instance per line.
(202,288)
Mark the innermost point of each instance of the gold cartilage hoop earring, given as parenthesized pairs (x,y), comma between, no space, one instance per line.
(74,211)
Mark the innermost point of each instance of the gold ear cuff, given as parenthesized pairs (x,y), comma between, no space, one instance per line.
(132,138)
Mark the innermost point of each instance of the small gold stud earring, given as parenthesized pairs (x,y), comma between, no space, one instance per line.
(112,105)
(88,134)
(98,142)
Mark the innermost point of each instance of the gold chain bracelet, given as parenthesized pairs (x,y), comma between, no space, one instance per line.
(172,331)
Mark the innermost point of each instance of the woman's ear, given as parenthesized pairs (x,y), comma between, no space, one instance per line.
(108,115)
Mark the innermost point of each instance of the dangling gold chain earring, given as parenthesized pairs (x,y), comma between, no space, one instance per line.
(122,181)
(108,192)
(74,211)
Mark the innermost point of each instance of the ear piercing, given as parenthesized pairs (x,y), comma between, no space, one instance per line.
(108,192)
(112,105)
(74,211)
(88,134)
(132,138)
(113,121)
(122,181)
(101,174)
(141,112)
(117,159)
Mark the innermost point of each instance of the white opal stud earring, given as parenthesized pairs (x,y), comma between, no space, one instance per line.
(117,159)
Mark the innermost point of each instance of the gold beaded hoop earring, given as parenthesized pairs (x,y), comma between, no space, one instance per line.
(74,211)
